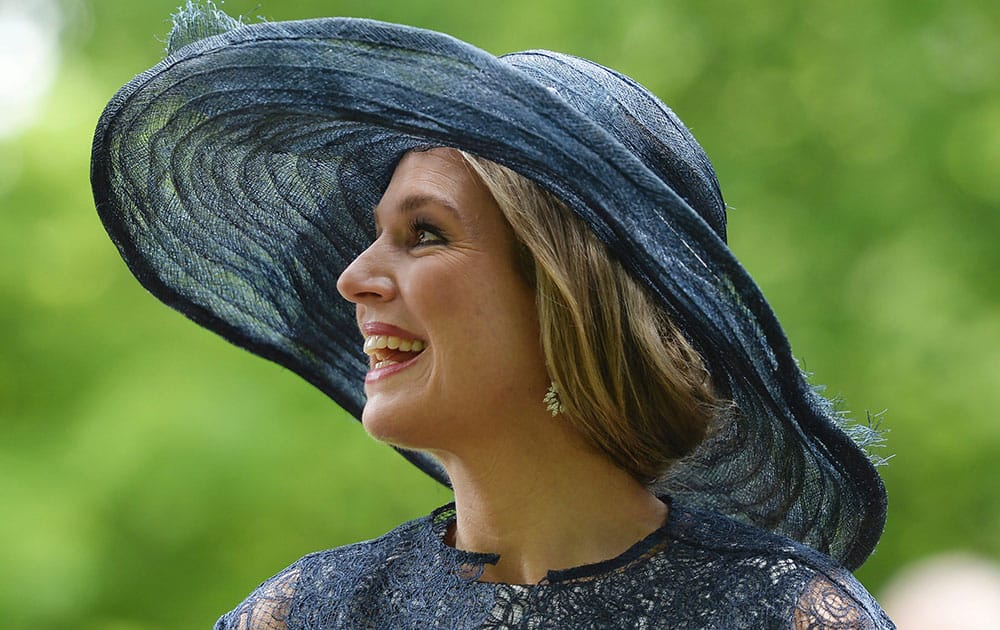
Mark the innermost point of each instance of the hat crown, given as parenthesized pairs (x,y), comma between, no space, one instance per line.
(195,21)
(637,119)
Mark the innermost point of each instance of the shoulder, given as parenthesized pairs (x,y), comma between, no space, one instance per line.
(762,570)
(266,608)
(833,602)
(329,576)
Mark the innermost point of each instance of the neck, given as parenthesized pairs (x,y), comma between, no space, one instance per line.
(546,504)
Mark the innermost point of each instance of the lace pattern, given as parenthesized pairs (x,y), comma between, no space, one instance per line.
(267,608)
(700,570)
(825,604)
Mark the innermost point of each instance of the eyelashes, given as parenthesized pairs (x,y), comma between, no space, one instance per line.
(426,233)
(420,231)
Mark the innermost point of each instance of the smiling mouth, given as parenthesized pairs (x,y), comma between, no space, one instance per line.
(387,350)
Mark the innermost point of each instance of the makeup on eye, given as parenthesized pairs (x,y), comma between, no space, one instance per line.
(422,231)
(426,233)
(418,222)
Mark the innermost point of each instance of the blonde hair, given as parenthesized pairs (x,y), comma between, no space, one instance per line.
(629,381)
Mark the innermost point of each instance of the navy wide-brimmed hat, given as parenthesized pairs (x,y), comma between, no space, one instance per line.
(237,178)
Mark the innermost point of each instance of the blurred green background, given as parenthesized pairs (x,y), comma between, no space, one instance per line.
(151,474)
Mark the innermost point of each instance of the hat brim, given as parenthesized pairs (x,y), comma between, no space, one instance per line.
(237,179)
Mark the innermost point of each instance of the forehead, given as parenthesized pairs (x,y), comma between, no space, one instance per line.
(437,176)
(439,167)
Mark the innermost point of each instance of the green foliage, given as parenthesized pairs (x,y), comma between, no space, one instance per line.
(151,474)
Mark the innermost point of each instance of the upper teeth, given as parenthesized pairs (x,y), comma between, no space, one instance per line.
(380,342)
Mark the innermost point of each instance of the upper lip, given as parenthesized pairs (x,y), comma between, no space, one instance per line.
(369,329)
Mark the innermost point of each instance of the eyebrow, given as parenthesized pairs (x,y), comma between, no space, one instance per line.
(414,202)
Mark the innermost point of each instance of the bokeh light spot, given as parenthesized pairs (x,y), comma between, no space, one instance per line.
(29,53)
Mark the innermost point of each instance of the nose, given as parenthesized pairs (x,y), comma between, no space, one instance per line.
(367,278)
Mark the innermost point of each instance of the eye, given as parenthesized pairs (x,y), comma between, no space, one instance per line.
(426,236)
(425,233)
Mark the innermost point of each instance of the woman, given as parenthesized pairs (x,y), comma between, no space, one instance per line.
(550,322)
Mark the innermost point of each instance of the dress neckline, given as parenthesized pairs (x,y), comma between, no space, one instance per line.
(469,565)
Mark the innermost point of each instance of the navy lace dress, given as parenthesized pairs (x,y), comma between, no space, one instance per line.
(700,570)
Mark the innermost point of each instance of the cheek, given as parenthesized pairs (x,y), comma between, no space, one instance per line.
(481,316)
(448,293)
(509,330)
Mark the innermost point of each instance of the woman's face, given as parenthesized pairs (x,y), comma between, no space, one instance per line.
(440,279)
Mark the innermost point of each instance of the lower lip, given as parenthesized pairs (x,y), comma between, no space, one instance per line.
(385,372)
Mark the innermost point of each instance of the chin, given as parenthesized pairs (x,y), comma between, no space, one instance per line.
(396,429)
